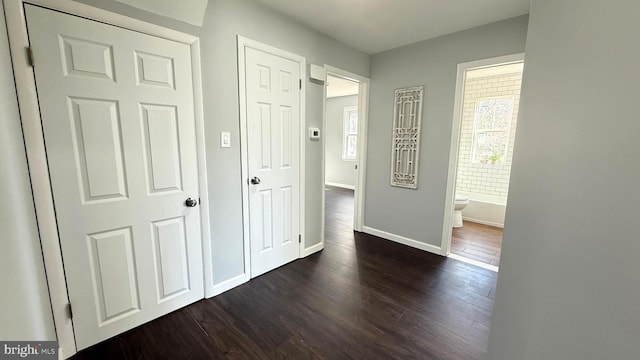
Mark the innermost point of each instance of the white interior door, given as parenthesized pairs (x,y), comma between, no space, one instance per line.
(118,117)
(273,121)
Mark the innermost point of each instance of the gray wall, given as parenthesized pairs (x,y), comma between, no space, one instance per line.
(224,19)
(569,283)
(419,214)
(338,170)
(25,313)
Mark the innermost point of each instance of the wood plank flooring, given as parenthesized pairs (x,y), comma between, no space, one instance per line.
(478,242)
(362,297)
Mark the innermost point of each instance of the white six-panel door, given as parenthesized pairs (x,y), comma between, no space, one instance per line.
(273,128)
(118,117)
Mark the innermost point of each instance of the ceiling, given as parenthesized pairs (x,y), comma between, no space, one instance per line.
(341,87)
(377,25)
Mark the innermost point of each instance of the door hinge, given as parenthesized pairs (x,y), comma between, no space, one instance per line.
(300,84)
(69,311)
(30,56)
(299,238)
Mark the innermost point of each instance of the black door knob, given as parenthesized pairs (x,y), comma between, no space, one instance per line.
(255,180)
(191,202)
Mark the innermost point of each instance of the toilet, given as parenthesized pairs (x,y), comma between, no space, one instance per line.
(461,202)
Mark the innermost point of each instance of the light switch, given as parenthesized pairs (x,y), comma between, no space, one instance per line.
(225,139)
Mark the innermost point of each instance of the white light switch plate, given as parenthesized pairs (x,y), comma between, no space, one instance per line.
(225,139)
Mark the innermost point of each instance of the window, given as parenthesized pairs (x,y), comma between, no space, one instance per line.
(491,127)
(350,134)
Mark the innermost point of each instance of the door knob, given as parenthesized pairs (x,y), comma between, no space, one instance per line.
(255,180)
(191,202)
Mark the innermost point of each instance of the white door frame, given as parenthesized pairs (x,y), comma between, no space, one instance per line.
(36,152)
(361,161)
(455,137)
(244,43)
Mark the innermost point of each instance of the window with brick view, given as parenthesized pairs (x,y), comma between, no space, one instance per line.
(350,134)
(491,126)
(475,177)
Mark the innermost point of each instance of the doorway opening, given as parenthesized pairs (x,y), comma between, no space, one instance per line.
(340,152)
(486,115)
(344,152)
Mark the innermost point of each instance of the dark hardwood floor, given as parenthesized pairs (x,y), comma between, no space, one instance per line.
(362,297)
(478,242)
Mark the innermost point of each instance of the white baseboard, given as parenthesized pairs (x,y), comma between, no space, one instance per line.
(230,284)
(311,249)
(483,222)
(344,186)
(403,240)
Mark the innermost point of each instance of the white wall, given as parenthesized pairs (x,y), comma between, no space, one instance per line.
(337,170)
(569,282)
(25,313)
(419,214)
(223,20)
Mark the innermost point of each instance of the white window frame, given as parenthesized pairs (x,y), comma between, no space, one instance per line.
(346,134)
(476,131)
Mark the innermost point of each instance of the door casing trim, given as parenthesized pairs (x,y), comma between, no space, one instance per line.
(244,43)
(36,152)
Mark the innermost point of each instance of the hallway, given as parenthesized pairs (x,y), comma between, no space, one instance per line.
(361,297)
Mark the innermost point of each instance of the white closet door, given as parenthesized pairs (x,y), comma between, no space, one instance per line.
(273,121)
(118,117)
